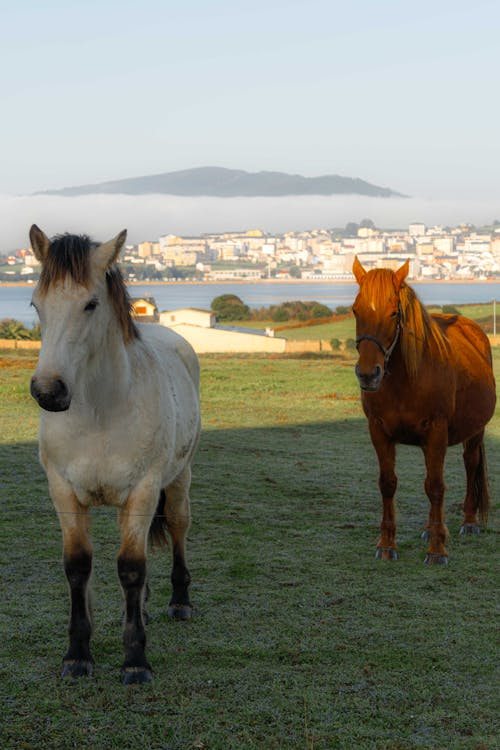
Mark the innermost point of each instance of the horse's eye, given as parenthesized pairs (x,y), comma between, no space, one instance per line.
(91,304)
(394,314)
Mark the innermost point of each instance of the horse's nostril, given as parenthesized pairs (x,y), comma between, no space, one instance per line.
(60,389)
(375,373)
(51,394)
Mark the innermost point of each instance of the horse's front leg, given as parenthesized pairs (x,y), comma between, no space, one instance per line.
(135,520)
(77,550)
(386,454)
(434,448)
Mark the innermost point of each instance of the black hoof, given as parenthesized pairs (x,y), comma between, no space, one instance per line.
(76,669)
(470,528)
(136,676)
(436,559)
(386,553)
(180,611)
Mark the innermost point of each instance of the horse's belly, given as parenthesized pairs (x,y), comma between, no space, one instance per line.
(471,416)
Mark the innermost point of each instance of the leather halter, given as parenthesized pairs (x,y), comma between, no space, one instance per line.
(386,351)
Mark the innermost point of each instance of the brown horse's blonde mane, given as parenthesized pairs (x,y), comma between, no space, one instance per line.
(418,331)
(69,255)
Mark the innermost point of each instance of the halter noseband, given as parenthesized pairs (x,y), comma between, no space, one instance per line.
(386,351)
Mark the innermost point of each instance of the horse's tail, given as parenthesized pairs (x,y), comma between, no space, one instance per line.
(481,492)
(158,534)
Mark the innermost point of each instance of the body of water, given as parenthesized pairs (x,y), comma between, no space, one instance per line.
(15,300)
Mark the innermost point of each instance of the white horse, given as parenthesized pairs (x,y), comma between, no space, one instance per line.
(119,425)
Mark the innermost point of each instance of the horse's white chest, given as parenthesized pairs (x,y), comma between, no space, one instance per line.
(103,467)
(101,479)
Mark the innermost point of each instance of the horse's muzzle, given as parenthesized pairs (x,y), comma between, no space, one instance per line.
(54,395)
(370,381)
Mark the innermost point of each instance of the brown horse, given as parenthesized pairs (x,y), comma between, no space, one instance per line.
(425,380)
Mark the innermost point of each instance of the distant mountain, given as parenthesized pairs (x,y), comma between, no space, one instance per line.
(231,183)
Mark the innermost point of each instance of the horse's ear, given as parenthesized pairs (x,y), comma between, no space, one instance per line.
(358,270)
(106,254)
(401,274)
(39,243)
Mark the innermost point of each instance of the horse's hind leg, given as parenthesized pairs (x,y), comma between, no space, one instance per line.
(178,518)
(74,521)
(477,496)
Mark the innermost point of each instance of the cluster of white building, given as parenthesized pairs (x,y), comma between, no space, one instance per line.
(435,252)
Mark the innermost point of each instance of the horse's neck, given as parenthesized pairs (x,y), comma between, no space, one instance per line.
(104,386)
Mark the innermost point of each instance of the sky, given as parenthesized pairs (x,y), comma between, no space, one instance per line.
(398,93)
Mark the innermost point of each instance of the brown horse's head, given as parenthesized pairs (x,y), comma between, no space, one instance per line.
(377,310)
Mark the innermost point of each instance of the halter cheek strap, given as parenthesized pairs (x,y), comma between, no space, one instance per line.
(386,351)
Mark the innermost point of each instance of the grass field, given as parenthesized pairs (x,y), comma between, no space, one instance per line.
(300,639)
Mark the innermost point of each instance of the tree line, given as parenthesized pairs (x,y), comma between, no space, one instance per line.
(229,307)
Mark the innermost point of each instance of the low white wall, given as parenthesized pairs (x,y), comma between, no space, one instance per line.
(189,315)
(214,340)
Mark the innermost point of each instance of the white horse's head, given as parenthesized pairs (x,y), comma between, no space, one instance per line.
(80,298)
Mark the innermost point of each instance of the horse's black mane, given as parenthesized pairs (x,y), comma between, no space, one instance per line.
(69,255)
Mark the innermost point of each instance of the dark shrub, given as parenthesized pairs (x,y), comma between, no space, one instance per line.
(230,307)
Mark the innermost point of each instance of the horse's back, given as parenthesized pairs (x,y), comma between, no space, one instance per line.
(465,335)
(169,344)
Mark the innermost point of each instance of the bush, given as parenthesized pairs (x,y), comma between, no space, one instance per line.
(350,345)
(230,307)
(342,310)
(279,314)
(13,329)
(298,310)
(335,344)
(295,272)
(450,310)
(320,311)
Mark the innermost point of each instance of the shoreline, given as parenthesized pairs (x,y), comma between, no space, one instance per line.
(269,281)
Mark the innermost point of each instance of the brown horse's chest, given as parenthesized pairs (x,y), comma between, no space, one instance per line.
(402,422)
(405,431)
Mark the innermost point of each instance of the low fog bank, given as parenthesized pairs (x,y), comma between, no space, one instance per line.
(149,216)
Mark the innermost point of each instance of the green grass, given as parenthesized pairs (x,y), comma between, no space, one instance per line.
(342,330)
(476,311)
(301,639)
